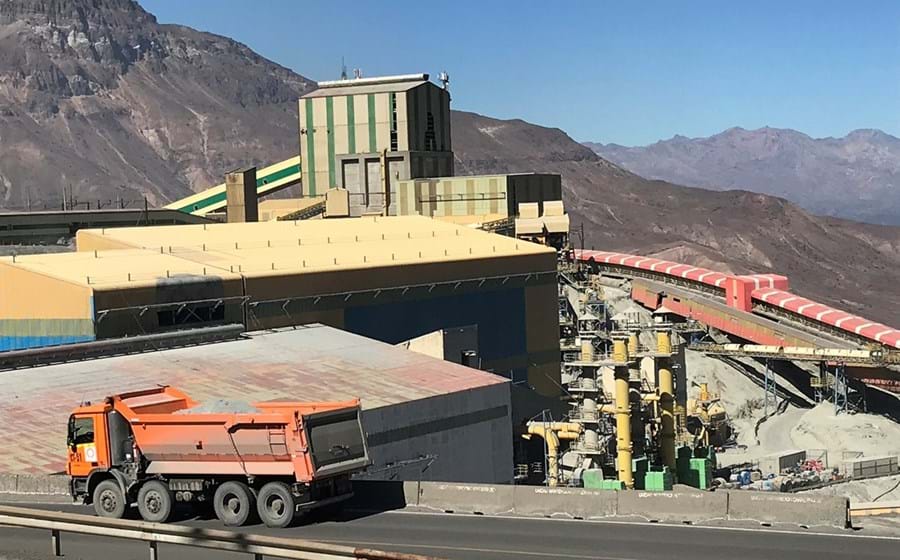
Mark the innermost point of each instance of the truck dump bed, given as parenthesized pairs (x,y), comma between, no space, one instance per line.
(300,440)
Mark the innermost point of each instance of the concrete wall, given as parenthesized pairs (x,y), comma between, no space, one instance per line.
(464,436)
(673,507)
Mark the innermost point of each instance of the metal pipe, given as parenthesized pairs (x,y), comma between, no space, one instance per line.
(632,344)
(552,441)
(587,351)
(666,401)
(623,417)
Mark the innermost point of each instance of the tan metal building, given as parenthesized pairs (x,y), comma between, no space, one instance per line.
(478,198)
(389,278)
(365,134)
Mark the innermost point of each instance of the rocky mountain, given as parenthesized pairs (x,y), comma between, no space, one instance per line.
(96,96)
(851,265)
(855,177)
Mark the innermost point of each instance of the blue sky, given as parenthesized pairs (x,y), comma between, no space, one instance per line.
(630,72)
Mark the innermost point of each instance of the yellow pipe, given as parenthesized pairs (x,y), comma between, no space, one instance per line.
(623,427)
(606,408)
(620,351)
(663,342)
(551,432)
(633,344)
(587,351)
(667,414)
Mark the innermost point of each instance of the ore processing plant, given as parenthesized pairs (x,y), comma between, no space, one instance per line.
(484,348)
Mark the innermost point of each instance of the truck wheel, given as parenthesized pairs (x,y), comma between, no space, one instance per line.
(109,500)
(155,501)
(275,505)
(233,503)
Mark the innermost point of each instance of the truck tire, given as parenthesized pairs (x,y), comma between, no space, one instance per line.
(109,501)
(233,503)
(275,505)
(155,501)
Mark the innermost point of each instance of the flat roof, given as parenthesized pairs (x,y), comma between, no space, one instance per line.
(104,268)
(275,247)
(356,89)
(309,363)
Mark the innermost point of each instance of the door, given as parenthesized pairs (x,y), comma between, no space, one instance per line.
(356,194)
(87,444)
(374,187)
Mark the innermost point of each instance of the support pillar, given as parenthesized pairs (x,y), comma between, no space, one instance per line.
(242,204)
(666,401)
(623,414)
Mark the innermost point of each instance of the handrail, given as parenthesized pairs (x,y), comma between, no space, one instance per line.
(155,533)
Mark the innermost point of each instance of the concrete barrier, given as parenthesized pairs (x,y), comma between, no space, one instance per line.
(575,503)
(41,485)
(681,507)
(466,498)
(9,483)
(808,510)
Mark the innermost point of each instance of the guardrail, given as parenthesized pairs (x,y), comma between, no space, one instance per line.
(871,509)
(155,533)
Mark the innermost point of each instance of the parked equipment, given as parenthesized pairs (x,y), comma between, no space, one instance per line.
(155,447)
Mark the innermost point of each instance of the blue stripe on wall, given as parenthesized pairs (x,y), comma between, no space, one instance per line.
(24,342)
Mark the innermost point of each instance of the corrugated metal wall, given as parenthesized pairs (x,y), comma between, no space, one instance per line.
(38,310)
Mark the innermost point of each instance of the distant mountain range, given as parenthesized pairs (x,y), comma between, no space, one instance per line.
(855,177)
(98,95)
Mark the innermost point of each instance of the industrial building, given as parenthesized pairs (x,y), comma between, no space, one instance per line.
(424,418)
(365,134)
(389,278)
(483,198)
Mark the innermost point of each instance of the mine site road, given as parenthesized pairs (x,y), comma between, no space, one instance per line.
(455,536)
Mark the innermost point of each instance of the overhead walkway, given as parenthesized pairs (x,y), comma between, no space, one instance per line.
(269,180)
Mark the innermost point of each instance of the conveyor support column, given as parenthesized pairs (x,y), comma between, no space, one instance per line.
(666,399)
(623,414)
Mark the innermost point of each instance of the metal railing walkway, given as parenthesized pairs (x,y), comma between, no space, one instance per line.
(155,533)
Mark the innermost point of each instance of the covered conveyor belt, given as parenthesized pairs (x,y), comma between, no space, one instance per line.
(762,294)
(269,180)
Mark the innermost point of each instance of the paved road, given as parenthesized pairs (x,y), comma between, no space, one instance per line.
(492,538)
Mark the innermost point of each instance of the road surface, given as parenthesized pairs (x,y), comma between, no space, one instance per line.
(490,538)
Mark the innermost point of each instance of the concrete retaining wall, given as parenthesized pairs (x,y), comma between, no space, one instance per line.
(564,502)
(539,501)
(42,485)
(678,507)
(467,498)
(681,507)
(808,510)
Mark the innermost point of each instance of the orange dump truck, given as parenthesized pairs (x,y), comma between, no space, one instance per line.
(157,447)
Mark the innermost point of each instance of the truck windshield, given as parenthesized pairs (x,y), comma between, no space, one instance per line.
(335,438)
(81,431)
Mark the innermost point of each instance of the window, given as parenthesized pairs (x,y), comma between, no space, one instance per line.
(81,430)
(394,141)
(430,140)
(187,315)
